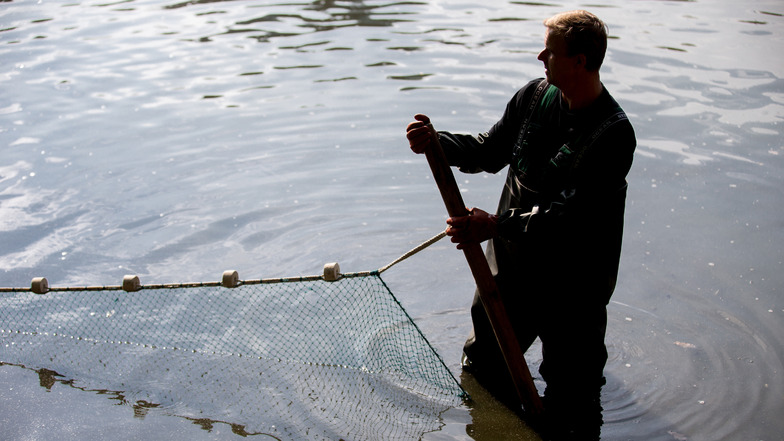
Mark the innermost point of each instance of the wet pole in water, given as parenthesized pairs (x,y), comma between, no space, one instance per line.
(488,291)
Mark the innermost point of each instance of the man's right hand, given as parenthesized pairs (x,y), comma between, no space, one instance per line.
(419,133)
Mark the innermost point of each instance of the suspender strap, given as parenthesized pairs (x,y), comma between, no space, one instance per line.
(613,119)
(532,106)
(535,100)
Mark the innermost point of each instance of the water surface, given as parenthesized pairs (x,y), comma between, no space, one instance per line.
(177,140)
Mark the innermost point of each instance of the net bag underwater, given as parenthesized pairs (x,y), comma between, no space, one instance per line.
(298,358)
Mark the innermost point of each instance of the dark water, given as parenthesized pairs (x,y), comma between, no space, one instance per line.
(177,140)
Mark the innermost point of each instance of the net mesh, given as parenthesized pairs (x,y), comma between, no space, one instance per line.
(296,360)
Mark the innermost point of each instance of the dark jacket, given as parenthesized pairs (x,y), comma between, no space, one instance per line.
(562,207)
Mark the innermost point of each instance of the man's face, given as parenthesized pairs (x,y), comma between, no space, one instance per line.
(559,67)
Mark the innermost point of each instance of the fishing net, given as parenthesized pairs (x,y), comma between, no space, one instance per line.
(295,359)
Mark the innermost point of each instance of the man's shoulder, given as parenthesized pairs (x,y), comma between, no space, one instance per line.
(608,103)
(611,122)
(524,94)
(522,99)
(607,108)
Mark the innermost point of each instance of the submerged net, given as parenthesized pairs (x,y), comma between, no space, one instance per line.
(302,359)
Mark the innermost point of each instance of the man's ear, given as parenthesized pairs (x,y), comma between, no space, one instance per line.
(581,60)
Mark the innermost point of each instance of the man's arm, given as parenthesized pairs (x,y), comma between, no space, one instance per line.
(490,151)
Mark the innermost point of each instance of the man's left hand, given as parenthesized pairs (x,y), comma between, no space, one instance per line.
(477,227)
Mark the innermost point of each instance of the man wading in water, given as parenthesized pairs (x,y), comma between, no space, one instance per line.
(555,240)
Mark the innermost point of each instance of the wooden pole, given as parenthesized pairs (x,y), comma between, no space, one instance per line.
(488,291)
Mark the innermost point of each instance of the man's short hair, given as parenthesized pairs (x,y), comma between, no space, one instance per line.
(584,33)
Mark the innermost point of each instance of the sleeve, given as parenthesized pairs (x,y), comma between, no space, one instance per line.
(490,151)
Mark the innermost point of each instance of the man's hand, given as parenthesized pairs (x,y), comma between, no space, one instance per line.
(419,133)
(477,227)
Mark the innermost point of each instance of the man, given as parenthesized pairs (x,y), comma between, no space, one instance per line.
(555,239)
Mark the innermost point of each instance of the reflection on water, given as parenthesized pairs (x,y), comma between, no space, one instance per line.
(57,413)
(177,141)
